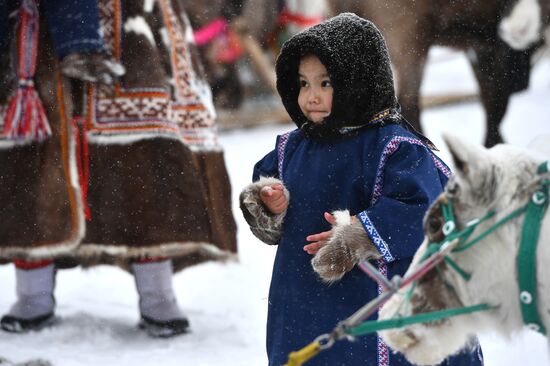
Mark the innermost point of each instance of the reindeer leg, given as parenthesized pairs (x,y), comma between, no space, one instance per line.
(409,77)
(408,54)
(490,71)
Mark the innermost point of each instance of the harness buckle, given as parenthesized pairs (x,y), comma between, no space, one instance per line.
(325,341)
(525,297)
(448,228)
(538,198)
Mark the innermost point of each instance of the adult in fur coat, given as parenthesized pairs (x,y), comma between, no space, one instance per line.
(354,157)
(130,175)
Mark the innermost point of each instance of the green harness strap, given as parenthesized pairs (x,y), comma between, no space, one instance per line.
(527,255)
(376,325)
(526,263)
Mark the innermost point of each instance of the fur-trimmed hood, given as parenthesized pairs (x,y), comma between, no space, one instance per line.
(356,57)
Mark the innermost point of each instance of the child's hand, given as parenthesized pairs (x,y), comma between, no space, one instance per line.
(346,246)
(319,239)
(273,197)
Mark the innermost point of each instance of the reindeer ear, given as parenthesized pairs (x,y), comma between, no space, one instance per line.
(466,156)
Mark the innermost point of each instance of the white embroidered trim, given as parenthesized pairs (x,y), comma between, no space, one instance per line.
(377,240)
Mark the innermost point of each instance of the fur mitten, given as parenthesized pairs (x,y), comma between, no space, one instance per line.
(264,224)
(348,245)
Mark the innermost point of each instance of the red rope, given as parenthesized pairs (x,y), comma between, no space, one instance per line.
(286,17)
(150,260)
(23,264)
(25,118)
(82,161)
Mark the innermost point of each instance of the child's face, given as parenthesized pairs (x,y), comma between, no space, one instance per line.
(315,98)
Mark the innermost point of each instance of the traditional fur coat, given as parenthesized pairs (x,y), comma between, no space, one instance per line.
(358,160)
(130,171)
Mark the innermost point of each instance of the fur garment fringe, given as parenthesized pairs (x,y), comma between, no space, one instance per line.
(265,225)
(348,245)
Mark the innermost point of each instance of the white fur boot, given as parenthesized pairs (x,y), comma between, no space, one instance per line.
(34,308)
(160,313)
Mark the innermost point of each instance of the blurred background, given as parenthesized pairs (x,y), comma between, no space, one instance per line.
(461,67)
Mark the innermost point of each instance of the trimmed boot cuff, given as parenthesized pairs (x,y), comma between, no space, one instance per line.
(35,282)
(264,224)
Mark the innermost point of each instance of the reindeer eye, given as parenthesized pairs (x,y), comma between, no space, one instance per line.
(452,188)
(434,225)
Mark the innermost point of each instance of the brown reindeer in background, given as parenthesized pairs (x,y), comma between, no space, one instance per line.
(412,27)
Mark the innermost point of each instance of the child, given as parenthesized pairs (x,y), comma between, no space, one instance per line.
(352,151)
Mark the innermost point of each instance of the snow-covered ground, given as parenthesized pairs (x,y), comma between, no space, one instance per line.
(227,303)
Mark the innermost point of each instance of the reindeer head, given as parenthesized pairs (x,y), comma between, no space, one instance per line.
(496,180)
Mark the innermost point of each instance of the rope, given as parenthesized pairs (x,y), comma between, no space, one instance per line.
(376,325)
(25,120)
(297,358)
(288,17)
(82,161)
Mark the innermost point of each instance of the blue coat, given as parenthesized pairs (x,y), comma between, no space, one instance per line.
(386,177)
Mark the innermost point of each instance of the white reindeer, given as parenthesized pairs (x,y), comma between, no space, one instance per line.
(502,179)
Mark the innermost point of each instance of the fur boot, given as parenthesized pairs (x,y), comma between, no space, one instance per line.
(160,313)
(348,245)
(265,225)
(34,308)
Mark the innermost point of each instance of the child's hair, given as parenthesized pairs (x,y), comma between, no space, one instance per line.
(357,60)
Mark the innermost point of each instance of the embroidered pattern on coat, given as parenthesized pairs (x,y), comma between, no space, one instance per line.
(132,114)
(377,240)
(389,149)
(281,153)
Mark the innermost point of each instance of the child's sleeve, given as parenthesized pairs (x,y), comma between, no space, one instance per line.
(264,224)
(406,184)
(267,167)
